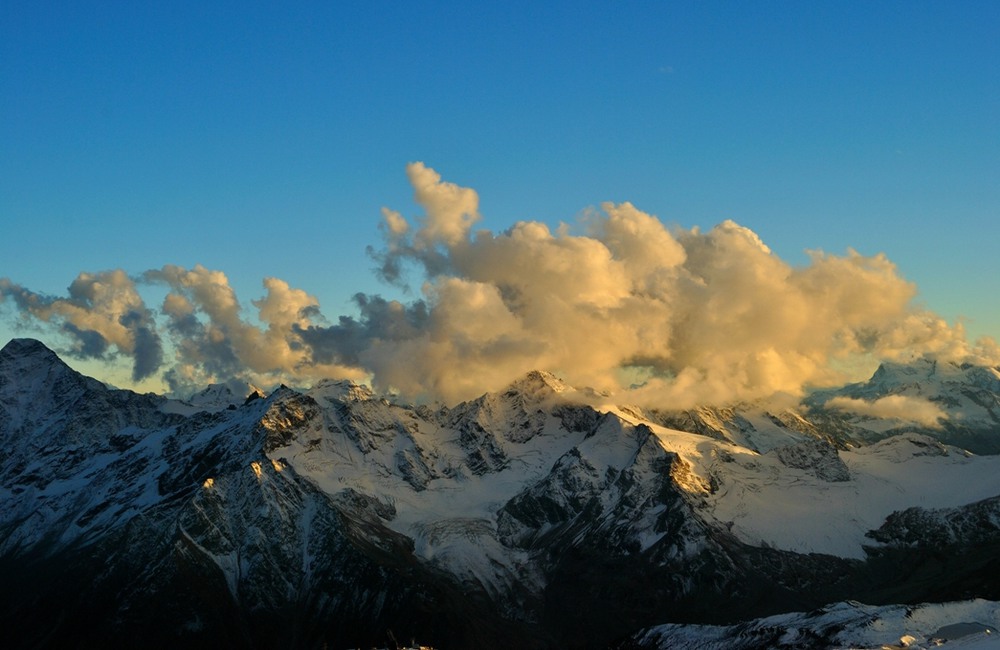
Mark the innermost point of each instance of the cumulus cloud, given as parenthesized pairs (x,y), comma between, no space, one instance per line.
(897,407)
(668,316)
(103,311)
(215,342)
(618,302)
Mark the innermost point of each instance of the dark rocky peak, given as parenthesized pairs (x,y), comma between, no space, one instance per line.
(22,347)
(22,354)
(28,368)
(282,392)
(287,413)
(283,399)
(61,418)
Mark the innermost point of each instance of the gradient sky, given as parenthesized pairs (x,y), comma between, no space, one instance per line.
(263,139)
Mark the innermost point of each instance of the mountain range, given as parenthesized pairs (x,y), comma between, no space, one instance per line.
(540,516)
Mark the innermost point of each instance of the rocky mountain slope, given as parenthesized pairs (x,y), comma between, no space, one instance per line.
(533,517)
(842,625)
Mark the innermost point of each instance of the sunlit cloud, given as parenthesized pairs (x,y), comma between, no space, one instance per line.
(899,407)
(102,311)
(618,302)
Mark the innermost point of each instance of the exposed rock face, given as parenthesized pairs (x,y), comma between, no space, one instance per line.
(816,456)
(523,518)
(974,524)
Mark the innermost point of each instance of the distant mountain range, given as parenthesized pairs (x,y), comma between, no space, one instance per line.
(536,517)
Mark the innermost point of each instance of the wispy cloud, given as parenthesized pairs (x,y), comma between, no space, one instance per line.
(898,407)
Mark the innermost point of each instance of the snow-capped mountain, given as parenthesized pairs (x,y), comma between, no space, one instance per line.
(958,404)
(842,625)
(532,517)
(215,397)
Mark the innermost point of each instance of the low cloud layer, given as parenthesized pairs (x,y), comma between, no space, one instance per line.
(618,302)
(899,407)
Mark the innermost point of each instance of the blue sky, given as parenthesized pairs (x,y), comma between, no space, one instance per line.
(263,139)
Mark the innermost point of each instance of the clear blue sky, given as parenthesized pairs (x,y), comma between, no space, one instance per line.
(262,139)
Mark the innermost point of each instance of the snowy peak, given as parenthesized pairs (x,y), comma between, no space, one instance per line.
(213,394)
(969,624)
(214,398)
(895,374)
(23,357)
(35,383)
(219,396)
(926,376)
(959,404)
(515,415)
(340,390)
(537,385)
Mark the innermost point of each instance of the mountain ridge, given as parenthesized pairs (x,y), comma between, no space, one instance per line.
(521,518)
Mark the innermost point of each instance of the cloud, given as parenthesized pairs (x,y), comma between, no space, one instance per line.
(450,212)
(619,302)
(897,407)
(688,316)
(213,341)
(104,310)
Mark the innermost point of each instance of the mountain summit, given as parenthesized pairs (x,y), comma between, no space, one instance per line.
(24,357)
(523,518)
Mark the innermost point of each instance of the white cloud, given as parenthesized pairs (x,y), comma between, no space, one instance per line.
(897,407)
